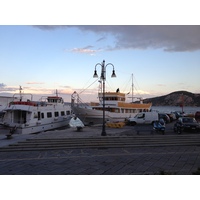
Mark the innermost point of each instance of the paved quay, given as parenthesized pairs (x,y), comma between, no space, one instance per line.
(134,160)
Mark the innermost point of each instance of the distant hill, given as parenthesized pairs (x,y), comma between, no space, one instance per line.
(177,98)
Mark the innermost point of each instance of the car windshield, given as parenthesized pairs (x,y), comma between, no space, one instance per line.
(188,120)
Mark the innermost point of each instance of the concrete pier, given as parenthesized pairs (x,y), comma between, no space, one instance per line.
(122,152)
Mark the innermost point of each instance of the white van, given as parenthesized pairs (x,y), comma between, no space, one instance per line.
(144,118)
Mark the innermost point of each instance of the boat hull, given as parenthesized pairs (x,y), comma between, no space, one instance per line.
(24,129)
(92,116)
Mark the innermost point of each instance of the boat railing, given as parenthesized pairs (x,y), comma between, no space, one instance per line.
(77,101)
(17,96)
(43,99)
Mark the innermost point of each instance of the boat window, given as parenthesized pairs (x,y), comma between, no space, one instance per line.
(62,113)
(126,110)
(42,115)
(49,115)
(68,112)
(56,114)
(52,100)
(19,116)
(38,115)
(35,115)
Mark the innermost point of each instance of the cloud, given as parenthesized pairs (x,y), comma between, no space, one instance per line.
(60,90)
(49,27)
(34,83)
(65,86)
(85,50)
(8,89)
(161,85)
(36,90)
(2,85)
(141,92)
(170,38)
(101,39)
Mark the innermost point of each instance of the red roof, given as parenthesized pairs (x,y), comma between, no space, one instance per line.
(54,97)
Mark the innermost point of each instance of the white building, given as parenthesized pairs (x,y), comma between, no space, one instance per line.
(4,102)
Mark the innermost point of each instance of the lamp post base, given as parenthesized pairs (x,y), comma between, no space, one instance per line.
(103,133)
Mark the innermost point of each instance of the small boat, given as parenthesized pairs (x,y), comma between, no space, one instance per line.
(28,116)
(116,107)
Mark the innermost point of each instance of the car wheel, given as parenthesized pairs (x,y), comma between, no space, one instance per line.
(133,123)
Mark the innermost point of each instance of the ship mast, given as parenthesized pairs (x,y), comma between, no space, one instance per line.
(56,92)
(132,88)
(20,93)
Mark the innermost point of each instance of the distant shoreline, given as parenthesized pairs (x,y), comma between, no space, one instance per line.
(169,109)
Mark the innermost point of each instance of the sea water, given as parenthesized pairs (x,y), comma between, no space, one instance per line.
(169,109)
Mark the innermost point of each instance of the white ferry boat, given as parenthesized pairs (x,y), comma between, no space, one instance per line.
(116,108)
(27,116)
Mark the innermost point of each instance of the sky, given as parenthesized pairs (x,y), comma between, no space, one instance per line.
(43,58)
(50,45)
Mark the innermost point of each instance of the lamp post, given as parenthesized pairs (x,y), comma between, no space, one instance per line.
(103,78)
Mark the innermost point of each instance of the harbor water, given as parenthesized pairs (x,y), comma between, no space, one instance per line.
(169,109)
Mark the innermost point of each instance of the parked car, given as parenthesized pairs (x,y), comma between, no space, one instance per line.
(177,114)
(165,117)
(197,116)
(171,116)
(186,124)
(143,118)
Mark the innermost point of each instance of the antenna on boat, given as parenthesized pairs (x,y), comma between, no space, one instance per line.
(56,92)
(20,92)
(132,87)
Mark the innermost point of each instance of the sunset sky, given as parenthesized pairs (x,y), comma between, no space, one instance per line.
(43,58)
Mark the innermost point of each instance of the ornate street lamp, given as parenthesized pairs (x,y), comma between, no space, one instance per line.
(103,78)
